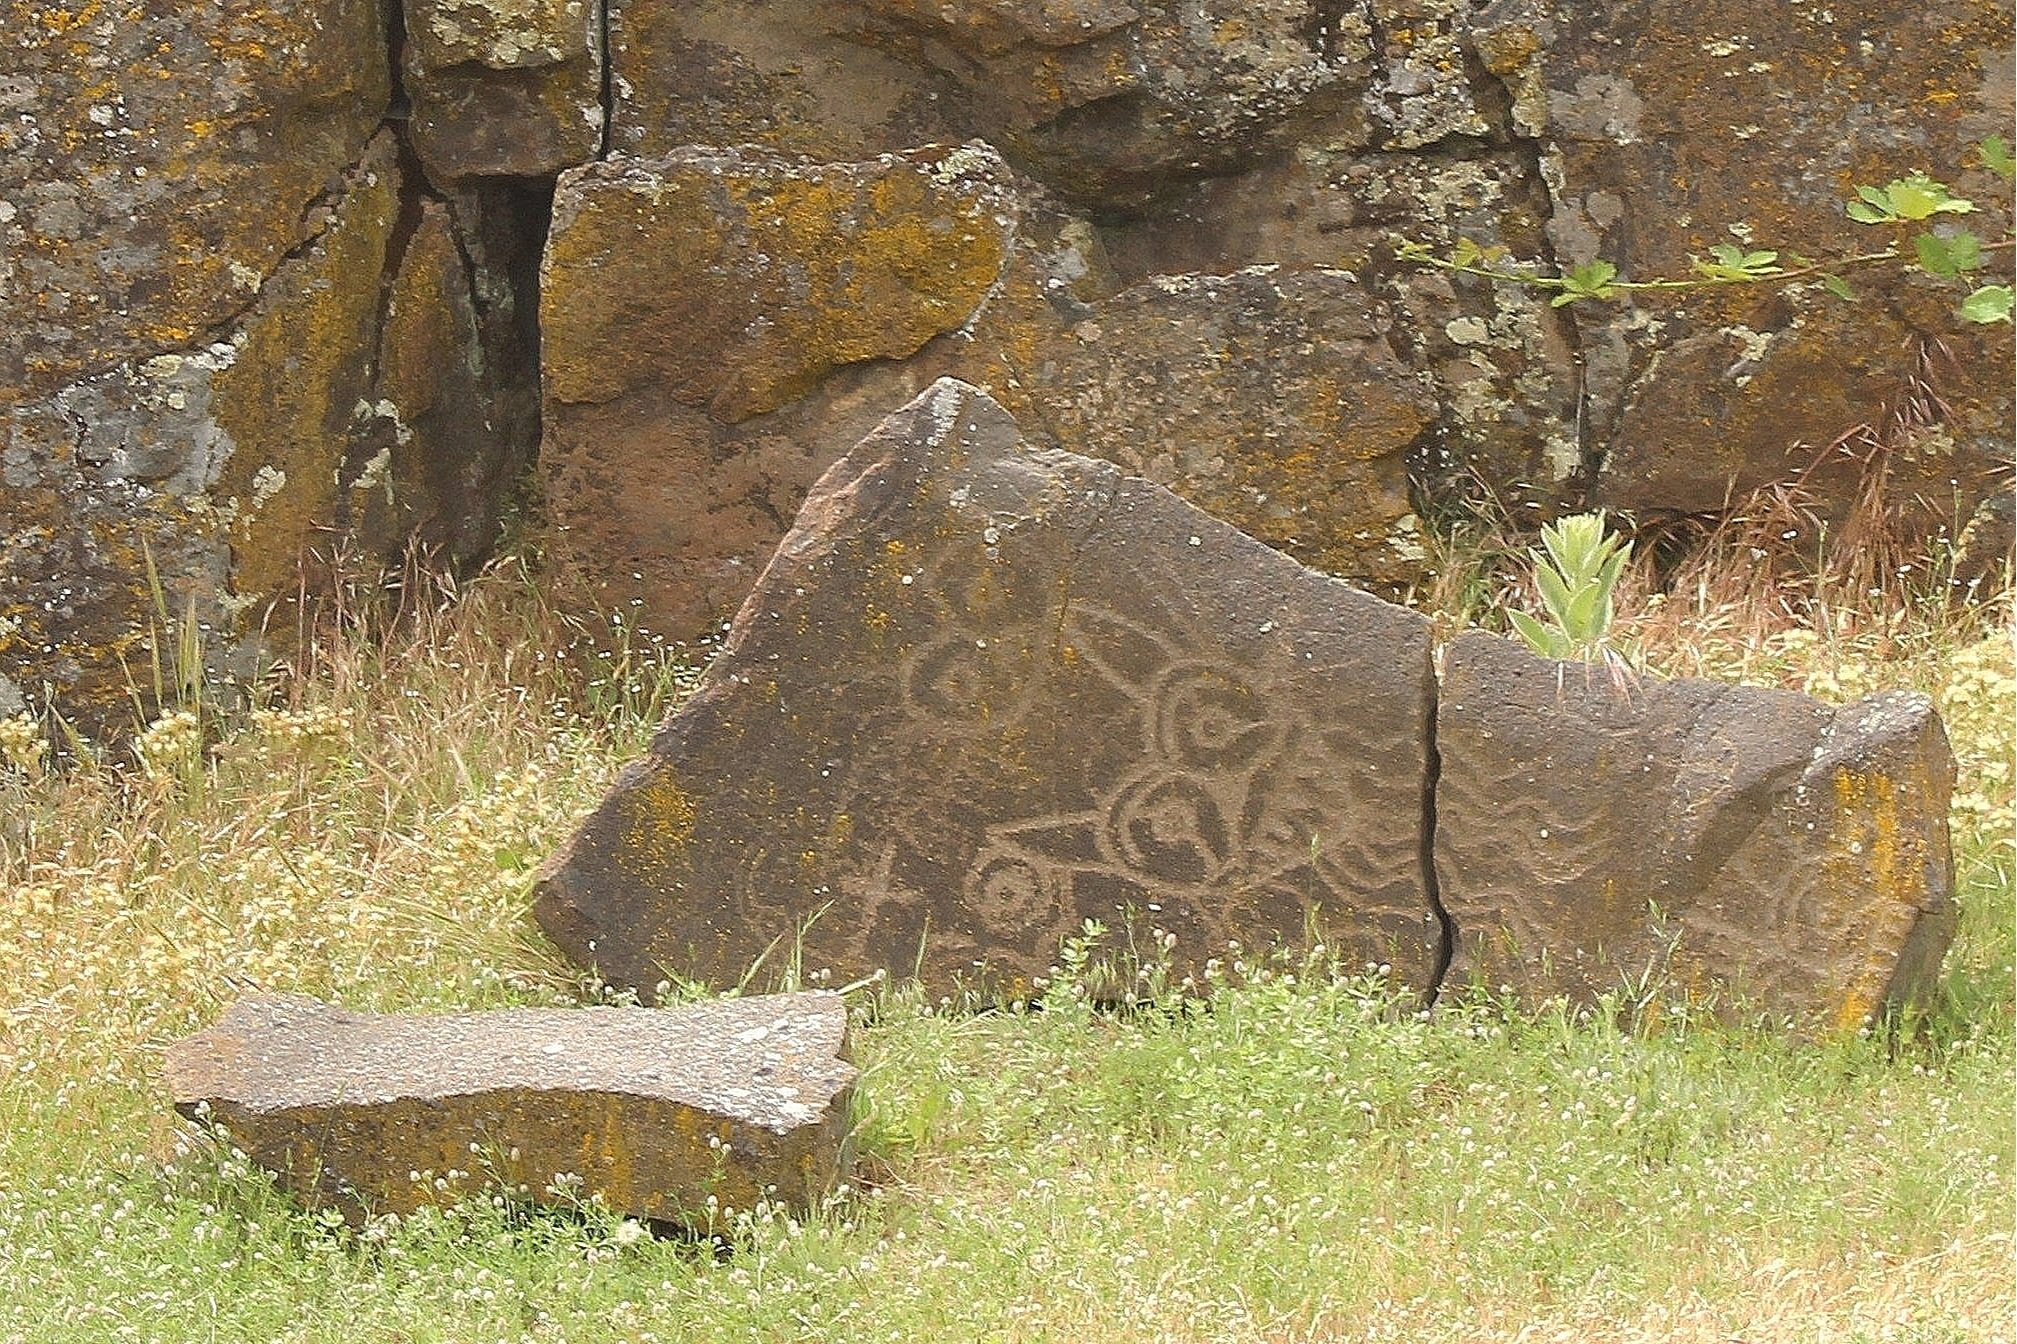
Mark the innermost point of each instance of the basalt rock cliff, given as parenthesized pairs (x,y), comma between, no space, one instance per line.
(284,281)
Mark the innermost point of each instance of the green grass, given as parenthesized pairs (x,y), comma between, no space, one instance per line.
(1302,1159)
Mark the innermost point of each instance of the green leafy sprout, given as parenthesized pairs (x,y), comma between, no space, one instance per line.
(1576,569)
(1919,211)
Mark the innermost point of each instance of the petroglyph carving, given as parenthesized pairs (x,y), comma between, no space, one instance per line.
(985,693)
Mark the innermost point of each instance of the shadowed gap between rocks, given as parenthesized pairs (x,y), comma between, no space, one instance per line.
(1446,942)
(498,226)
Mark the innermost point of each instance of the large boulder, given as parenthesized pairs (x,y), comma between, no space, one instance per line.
(655,1112)
(1598,832)
(987,691)
(719,324)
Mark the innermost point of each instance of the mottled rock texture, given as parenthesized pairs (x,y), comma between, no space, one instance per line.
(1665,128)
(349,406)
(1178,254)
(504,87)
(158,161)
(652,1110)
(244,334)
(1108,101)
(776,74)
(986,691)
(719,324)
(1272,398)
(1599,832)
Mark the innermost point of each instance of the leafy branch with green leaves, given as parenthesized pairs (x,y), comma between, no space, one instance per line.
(1906,206)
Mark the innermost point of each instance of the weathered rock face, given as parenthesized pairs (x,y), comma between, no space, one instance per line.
(1594,831)
(243,333)
(1109,101)
(1500,365)
(653,1110)
(780,271)
(1273,399)
(1666,128)
(504,87)
(769,73)
(162,177)
(157,163)
(719,323)
(347,406)
(986,691)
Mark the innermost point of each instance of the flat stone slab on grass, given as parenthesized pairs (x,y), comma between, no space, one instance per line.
(984,692)
(1596,830)
(652,1109)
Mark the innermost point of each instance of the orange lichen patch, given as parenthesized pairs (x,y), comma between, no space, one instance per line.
(657,821)
(739,281)
(1875,858)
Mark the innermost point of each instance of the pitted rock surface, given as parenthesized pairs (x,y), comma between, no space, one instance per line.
(985,692)
(1596,831)
(504,87)
(346,406)
(345,1106)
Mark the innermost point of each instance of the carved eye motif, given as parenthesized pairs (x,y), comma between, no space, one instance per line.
(985,593)
(1016,897)
(969,679)
(1211,718)
(1169,828)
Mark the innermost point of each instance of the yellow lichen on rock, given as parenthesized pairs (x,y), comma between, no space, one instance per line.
(658,821)
(289,398)
(741,279)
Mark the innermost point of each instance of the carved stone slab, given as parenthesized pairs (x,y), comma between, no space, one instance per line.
(652,1109)
(1594,830)
(985,692)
